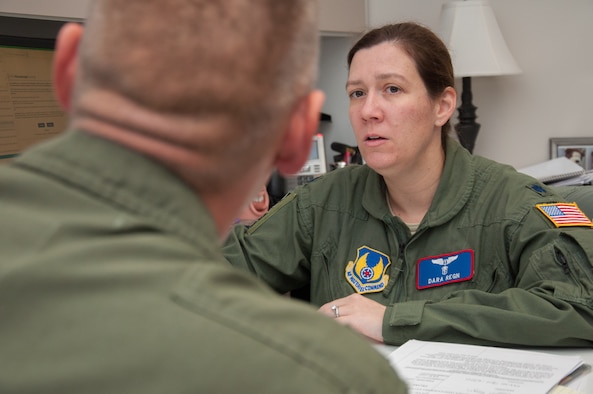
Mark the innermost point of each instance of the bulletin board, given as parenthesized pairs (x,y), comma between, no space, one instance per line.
(29,110)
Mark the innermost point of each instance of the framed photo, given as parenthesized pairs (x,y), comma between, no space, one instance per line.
(577,149)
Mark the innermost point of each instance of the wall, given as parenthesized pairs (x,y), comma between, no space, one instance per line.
(518,114)
(550,40)
(332,80)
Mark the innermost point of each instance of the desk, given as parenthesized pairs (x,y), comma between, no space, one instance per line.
(586,354)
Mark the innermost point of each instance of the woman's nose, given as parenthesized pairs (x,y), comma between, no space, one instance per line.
(371,108)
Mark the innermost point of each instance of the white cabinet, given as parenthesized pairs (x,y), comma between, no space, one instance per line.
(43,9)
(342,17)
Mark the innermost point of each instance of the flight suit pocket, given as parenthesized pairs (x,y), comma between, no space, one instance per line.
(325,282)
(565,266)
(579,258)
(500,279)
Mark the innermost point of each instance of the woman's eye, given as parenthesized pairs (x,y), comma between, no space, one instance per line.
(356,94)
(392,89)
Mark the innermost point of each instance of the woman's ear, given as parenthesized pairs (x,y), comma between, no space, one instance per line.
(296,144)
(65,62)
(445,106)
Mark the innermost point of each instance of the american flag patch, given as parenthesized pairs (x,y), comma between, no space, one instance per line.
(565,214)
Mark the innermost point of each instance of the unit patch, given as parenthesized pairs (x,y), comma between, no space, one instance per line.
(441,270)
(565,214)
(368,273)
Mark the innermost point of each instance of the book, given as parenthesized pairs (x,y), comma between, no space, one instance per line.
(554,170)
(585,178)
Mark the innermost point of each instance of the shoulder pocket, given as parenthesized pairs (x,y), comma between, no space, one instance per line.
(566,265)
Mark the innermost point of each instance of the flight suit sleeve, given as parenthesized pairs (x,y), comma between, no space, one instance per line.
(550,304)
(275,248)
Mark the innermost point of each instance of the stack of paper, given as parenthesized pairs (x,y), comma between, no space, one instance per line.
(436,367)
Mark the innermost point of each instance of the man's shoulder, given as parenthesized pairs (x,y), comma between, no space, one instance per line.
(286,338)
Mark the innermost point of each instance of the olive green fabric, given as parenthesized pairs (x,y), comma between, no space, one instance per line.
(112,281)
(582,195)
(531,283)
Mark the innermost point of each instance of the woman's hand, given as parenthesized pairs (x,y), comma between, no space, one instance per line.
(358,312)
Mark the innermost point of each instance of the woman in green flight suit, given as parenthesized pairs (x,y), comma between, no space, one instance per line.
(425,241)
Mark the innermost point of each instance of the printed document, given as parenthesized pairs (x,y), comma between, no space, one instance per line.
(29,110)
(436,367)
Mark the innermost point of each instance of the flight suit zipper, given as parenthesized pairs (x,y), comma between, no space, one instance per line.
(401,284)
(561,260)
(400,291)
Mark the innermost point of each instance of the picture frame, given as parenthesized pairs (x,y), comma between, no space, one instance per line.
(578,149)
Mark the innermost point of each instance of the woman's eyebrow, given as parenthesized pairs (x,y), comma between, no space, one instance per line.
(378,77)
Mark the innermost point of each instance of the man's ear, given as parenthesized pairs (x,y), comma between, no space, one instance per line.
(445,106)
(296,144)
(65,62)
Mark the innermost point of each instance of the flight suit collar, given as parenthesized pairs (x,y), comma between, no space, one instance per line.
(452,194)
(455,186)
(128,180)
(373,198)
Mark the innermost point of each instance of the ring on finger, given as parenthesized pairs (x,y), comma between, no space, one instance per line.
(336,310)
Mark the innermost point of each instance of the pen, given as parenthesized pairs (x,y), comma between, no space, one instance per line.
(580,371)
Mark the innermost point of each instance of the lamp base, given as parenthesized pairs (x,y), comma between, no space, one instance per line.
(467,128)
(467,134)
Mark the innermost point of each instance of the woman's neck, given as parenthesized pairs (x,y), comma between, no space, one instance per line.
(410,195)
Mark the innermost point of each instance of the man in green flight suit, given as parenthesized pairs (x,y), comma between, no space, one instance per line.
(111,278)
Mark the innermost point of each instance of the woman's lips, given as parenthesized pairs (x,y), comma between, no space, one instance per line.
(374,140)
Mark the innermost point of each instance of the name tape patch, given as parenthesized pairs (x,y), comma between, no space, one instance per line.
(444,269)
